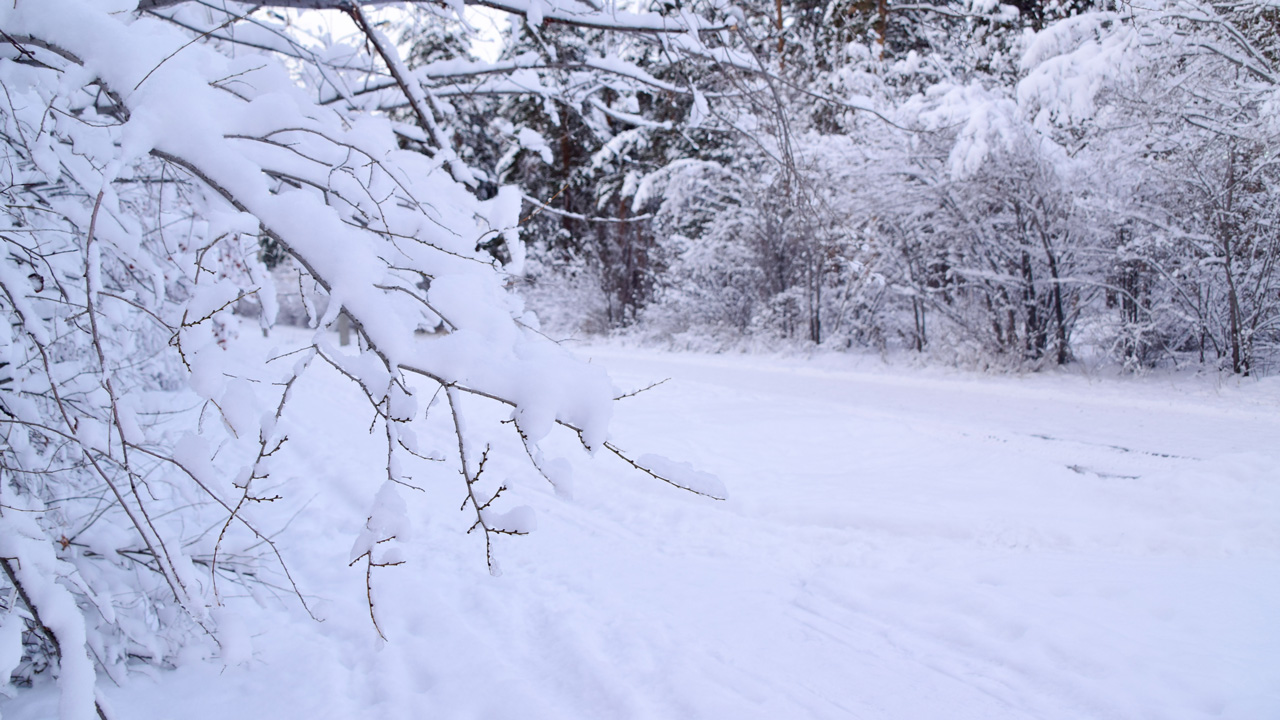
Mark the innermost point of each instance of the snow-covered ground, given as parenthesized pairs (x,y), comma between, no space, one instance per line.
(899,544)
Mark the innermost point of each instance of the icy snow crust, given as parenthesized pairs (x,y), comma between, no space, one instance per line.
(896,545)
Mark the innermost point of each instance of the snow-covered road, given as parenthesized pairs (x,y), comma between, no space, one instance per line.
(897,544)
(957,546)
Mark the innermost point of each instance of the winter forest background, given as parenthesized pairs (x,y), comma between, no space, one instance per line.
(1006,186)
(197,192)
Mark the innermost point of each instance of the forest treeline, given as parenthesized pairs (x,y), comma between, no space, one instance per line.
(1007,186)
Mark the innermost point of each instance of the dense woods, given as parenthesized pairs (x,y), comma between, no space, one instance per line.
(995,185)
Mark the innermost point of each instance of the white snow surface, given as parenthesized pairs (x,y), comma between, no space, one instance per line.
(897,543)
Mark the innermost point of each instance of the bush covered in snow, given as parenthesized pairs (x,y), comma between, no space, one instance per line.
(158,161)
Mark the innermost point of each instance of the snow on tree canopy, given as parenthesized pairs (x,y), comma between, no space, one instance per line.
(170,169)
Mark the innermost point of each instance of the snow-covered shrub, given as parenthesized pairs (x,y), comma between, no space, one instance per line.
(563,289)
(147,159)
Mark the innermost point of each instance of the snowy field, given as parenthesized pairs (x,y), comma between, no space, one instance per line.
(899,544)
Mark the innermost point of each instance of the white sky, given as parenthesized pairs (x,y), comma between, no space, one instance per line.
(490,26)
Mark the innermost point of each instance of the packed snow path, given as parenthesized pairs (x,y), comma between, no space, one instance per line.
(898,544)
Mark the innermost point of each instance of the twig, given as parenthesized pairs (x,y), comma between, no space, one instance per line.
(634,393)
